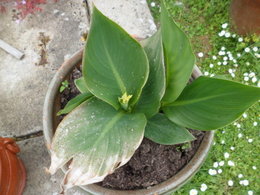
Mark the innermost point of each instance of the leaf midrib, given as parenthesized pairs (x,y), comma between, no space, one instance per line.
(114,70)
(197,100)
(108,126)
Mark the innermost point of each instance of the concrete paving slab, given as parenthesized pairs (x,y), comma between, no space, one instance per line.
(133,15)
(36,158)
(46,39)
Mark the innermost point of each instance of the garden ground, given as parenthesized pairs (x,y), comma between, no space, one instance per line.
(233,164)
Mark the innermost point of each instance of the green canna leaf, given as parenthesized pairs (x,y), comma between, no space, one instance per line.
(114,64)
(98,139)
(154,89)
(211,103)
(179,58)
(163,131)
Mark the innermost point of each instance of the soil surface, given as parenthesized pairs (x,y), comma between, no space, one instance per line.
(151,164)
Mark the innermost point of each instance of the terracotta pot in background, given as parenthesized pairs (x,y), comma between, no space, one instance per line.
(245,16)
(50,122)
(12,171)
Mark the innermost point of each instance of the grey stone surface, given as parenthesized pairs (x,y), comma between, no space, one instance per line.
(36,159)
(23,83)
(133,15)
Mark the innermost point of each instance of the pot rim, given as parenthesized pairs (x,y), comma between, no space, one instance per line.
(167,186)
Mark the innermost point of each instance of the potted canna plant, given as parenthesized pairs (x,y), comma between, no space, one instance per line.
(131,90)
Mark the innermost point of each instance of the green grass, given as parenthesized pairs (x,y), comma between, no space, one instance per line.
(202,20)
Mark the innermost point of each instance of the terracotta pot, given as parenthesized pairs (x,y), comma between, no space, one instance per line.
(245,15)
(12,171)
(50,122)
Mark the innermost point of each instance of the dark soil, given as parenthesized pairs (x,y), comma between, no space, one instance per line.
(151,164)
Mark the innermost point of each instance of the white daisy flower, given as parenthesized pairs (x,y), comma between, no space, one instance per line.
(222,142)
(227,34)
(206,73)
(203,187)
(193,192)
(224,25)
(221,163)
(247,63)
(211,65)
(225,63)
(222,33)
(238,125)
(250,192)
(255,49)
(233,75)
(244,182)
(240,39)
(219,171)
(200,54)
(254,79)
(152,4)
(212,172)
(246,78)
(230,70)
(234,35)
(240,135)
(238,55)
(212,75)
(231,163)
(252,74)
(250,140)
(226,155)
(222,48)
(214,57)
(245,115)
(225,58)
(240,175)
(230,183)
(255,123)
(232,148)
(236,65)
(215,164)
(247,49)
(254,167)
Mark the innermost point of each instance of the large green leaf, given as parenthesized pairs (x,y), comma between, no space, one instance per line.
(76,101)
(81,85)
(211,103)
(98,139)
(179,58)
(114,63)
(149,102)
(163,131)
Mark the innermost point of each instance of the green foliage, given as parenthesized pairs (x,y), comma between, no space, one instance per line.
(73,103)
(114,63)
(150,100)
(178,55)
(163,131)
(210,103)
(81,85)
(64,85)
(128,82)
